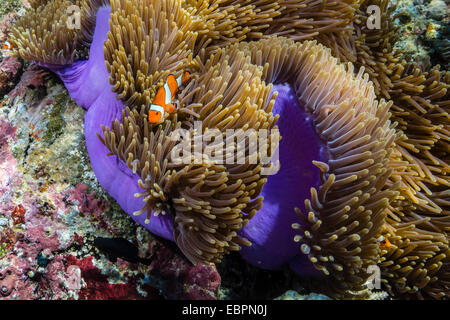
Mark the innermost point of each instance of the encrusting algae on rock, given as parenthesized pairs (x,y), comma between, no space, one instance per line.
(364,133)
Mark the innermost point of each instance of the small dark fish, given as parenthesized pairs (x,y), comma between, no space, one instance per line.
(119,248)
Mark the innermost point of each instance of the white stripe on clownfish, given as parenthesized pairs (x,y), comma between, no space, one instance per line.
(168,93)
(156,113)
(7,46)
(155,107)
(179,80)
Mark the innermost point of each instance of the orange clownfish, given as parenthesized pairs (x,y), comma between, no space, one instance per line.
(384,241)
(7,46)
(164,99)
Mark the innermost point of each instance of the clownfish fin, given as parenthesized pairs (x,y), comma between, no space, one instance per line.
(186,77)
(384,241)
(156,113)
(170,108)
(181,80)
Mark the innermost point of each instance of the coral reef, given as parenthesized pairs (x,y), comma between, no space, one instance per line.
(293,295)
(10,69)
(366,169)
(6,6)
(424,26)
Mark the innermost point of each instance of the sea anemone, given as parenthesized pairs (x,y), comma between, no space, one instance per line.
(340,152)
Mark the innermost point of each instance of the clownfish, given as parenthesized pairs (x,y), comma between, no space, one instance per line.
(7,46)
(164,99)
(384,241)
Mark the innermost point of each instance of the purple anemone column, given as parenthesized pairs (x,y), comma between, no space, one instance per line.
(270,229)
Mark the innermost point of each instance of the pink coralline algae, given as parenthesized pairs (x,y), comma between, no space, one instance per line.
(6,22)
(97,285)
(10,68)
(8,279)
(87,204)
(178,278)
(31,78)
(18,215)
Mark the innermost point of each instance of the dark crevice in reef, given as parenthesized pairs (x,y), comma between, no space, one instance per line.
(242,281)
(441,50)
(9,78)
